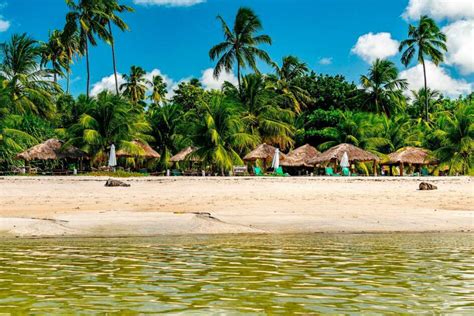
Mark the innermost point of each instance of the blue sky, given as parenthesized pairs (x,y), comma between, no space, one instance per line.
(173,37)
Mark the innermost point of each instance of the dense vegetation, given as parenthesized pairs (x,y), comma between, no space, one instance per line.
(286,108)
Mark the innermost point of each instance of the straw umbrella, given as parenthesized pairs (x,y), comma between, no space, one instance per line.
(300,157)
(335,154)
(263,152)
(184,155)
(145,151)
(410,156)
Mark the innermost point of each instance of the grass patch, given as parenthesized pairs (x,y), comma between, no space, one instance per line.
(117,174)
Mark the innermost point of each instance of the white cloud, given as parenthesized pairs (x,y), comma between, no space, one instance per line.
(372,46)
(169,3)
(438,79)
(209,82)
(460,42)
(106,84)
(4,24)
(439,9)
(325,61)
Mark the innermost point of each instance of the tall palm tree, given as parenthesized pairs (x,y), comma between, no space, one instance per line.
(425,41)
(383,87)
(25,86)
(135,84)
(285,82)
(85,19)
(240,44)
(112,9)
(419,100)
(53,52)
(70,44)
(158,92)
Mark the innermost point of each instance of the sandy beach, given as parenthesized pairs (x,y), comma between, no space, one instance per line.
(82,206)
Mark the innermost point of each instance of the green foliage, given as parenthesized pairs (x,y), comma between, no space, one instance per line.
(116,174)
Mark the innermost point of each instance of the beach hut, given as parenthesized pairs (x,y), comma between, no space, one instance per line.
(355,154)
(414,156)
(300,157)
(264,153)
(145,151)
(52,149)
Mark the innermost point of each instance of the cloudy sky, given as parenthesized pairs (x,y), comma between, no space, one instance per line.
(173,37)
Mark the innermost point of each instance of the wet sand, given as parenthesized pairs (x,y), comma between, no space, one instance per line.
(82,206)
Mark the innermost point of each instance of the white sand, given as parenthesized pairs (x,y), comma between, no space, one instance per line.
(82,206)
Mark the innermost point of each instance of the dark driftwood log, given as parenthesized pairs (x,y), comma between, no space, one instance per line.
(116,183)
(424,186)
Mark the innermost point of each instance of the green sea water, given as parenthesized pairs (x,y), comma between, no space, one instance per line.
(307,274)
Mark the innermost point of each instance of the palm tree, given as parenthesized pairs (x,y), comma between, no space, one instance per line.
(26,87)
(158,92)
(260,113)
(112,8)
(383,87)
(71,46)
(240,44)
(285,83)
(220,134)
(85,19)
(108,119)
(426,41)
(12,139)
(420,98)
(53,52)
(135,84)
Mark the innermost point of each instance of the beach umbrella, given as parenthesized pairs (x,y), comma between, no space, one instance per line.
(345,160)
(112,157)
(276,159)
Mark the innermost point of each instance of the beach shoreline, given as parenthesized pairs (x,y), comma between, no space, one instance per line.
(83,207)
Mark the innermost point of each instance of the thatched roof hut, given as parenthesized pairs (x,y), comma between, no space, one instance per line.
(410,155)
(263,152)
(184,155)
(335,154)
(300,157)
(147,151)
(52,149)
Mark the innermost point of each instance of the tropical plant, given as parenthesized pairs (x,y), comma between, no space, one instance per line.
(421,97)
(71,46)
(53,52)
(135,85)
(158,89)
(25,86)
(384,90)
(12,140)
(425,41)
(240,44)
(85,19)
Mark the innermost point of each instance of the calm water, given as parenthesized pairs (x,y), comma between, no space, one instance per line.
(305,274)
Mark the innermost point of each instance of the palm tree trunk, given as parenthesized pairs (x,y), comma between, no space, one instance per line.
(68,81)
(426,90)
(88,69)
(238,77)
(112,44)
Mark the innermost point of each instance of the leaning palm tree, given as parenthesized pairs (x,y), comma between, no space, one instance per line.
(425,41)
(54,52)
(135,85)
(240,45)
(291,94)
(25,86)
(383,87)
(85,19)
(111,9)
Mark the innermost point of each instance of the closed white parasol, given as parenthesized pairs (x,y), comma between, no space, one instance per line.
(112,157)
(345,160)
(276,159)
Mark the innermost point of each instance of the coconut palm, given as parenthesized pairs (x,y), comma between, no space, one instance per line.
(25,86)
(112,8)
(108,119)
(419,100)
(12,139)
(85,19)
(291,94)
(240,44)
(71,46)
(261,114)
(135,85)
(53,52)
(220,134)
(383,87)
(426,41)
(158,89)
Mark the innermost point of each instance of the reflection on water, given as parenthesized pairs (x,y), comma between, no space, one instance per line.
(240,274)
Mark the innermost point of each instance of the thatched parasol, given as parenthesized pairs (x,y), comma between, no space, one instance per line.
(300,157)
(184,155)
(411,155)
(52,149)
(263,152)
(335,154)
(148,152)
